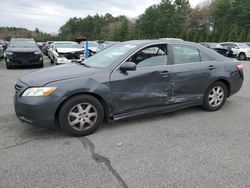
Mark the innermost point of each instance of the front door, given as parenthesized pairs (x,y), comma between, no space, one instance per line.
(149,85)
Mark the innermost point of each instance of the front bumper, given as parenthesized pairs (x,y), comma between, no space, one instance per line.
(66,61)
(38,111)
(23,61)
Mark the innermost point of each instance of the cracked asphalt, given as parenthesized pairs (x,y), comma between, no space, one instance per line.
(187,148)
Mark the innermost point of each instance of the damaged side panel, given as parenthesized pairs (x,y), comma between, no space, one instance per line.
(142,88)
(98,87)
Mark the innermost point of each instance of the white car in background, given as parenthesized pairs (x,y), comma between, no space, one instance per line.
(240,50)
(62,52)
(92,46)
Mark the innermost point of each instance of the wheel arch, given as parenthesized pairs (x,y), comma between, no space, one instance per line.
(242,53)
(98,97)
(226,83)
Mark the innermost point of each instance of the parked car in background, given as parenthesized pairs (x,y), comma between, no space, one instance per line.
(62,52)
(40,45)
(92,47)
(23,52)
(240,50)
(218,48)
(247,43)
(4,44)
(46,47)
(105,44)
(1,51)
(129,79)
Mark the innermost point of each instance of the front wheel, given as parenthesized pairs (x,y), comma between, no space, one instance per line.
(8,66)
(215,97)
(81,115)
(242,56)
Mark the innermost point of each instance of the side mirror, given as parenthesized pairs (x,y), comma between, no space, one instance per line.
(128,66)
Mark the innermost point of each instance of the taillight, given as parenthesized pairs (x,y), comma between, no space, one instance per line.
(240,67)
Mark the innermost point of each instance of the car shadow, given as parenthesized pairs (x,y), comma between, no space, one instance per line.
(145,118)
(41,133)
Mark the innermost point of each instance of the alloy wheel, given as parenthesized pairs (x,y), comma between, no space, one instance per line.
(216,96)
(82,116)
(242,56)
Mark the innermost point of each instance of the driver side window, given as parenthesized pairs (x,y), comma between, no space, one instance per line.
(155,55)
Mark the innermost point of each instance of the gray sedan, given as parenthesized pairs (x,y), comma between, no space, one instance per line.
(129,79)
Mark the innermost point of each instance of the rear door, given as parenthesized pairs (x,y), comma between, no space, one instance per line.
(193,70)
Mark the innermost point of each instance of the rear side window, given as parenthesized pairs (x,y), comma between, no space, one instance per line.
(188,54)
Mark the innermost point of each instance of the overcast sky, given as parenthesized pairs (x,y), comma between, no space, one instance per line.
(49,15)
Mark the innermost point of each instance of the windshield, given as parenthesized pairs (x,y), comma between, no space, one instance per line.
(23,43)
(242,45)
(109,55)
(67,45)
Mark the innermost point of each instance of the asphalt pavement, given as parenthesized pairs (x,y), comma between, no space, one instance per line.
(187,148)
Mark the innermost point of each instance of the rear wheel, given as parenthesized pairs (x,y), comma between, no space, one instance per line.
(242,56)
(215,97)
(81,115)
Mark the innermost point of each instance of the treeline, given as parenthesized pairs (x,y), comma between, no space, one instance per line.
(7,33)
(216,20)
(212,21)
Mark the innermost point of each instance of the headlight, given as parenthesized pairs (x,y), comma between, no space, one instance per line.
(9,53)
(39,91)
(37,52)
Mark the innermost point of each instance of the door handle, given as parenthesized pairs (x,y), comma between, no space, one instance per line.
(211,67)
(164,73)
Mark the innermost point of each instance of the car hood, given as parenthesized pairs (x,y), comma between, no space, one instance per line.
(57,73)
(18,49)
(67,50)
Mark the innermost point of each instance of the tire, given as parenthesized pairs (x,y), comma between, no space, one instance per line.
(76,116)
(212,101)
(41,65)
(8,66)
(242,56)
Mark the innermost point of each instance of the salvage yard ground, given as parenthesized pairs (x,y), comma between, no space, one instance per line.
(188,148)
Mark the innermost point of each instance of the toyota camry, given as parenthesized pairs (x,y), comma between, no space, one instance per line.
(129,79)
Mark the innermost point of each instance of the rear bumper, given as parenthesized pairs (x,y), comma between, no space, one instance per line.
(236,82)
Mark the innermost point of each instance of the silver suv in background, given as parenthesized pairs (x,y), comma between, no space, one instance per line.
(240,50)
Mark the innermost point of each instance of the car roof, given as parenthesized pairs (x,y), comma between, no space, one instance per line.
(26,39)
(141,43)
(156,41)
